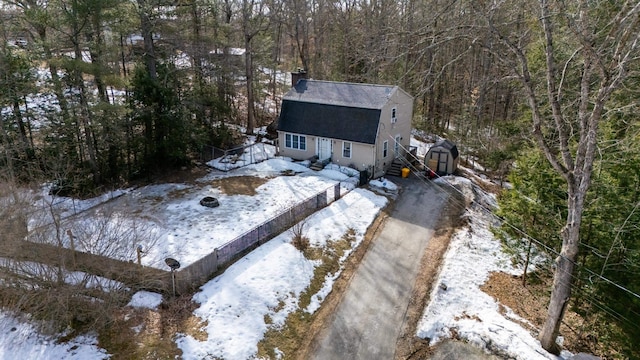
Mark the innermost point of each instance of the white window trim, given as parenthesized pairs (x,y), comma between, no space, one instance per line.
(385,148)
(291,136)
(344,143)
(394,115)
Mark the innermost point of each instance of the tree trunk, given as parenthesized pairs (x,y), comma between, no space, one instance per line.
(526,263)
(147,35)
(249,75)
(196,45)
(89,137)
(96,47)
(21,128)
(563,277)
(8,157)
(224,77)
(273,79)
(252,24)
(574,122)
(301,32)
(196,56)
(53,69)
(122,57)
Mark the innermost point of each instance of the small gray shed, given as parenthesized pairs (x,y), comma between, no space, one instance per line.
(443,157)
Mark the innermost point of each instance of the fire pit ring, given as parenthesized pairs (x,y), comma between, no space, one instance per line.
(209,201)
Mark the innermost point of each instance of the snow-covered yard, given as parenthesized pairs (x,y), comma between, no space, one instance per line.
(183,229)
(167,219)
(458,305)
(267,283)
(20,340)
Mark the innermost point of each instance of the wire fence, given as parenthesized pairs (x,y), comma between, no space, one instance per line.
(229,159)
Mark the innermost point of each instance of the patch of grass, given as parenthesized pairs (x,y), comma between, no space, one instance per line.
(150,334)
(239,185)
(194,327)
(301,243)
(152,199)
(313,253)
(179,193)
(583,329)
(117,338)
(288,337)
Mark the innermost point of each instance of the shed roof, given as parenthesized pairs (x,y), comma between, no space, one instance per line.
(369,96)
(331,121)
(449,145)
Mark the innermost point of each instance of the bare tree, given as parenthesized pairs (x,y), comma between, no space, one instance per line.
(588,52)
(108,230)
(63,267)
(254,21)
(298,25)
(299,237)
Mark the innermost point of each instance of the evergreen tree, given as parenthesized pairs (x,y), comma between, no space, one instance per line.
(156,107)
(534,211)
(17,81)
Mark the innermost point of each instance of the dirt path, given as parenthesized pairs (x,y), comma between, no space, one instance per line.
(374,310)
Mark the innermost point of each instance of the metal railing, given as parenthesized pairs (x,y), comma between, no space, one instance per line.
(230,159)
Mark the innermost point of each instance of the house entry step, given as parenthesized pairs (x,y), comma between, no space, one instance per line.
(395,169)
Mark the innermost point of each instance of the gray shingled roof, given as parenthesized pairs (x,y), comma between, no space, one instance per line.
(449,145)
(330,121)
(343,94)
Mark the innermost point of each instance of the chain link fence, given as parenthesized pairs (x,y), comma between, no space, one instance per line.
(196,274)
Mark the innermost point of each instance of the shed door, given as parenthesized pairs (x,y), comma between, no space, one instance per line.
(324,148)
(443,160)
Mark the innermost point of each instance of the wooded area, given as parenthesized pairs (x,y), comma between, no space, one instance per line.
(96,94)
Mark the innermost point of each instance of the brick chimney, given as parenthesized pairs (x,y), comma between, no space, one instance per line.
(297,76)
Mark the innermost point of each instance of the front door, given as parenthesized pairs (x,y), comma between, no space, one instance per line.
(324,148)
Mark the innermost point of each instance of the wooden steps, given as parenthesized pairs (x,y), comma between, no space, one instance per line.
(396,168)
(319,164)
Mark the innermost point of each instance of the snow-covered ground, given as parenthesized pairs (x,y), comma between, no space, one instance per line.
(457,303)
(261,289)
(255,153)
(20,340)
(268,282)
(183,227)
(167,220)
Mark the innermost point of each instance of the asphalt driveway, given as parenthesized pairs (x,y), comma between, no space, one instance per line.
(368,321)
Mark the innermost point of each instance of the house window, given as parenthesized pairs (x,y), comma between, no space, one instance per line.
(393,115)
(298,142)
(346,149)
(385,148)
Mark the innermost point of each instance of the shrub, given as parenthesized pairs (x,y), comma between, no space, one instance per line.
(299,240)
